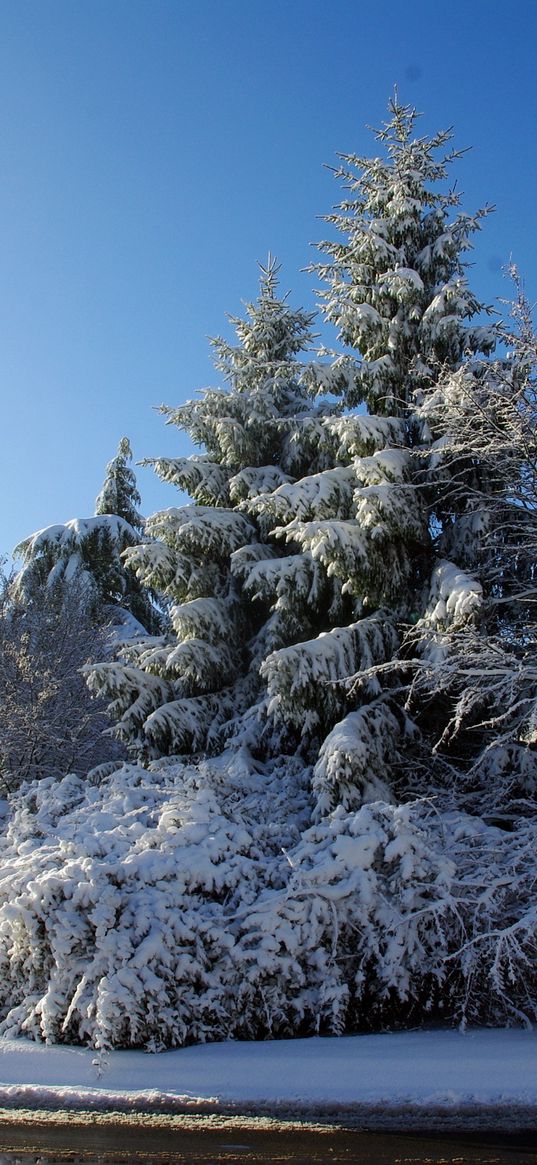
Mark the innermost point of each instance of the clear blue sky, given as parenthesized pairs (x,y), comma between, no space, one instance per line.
(153,150)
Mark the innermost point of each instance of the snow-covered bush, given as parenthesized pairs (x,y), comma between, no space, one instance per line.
(120,938)
(359,926)
(158,909)
(394,914)
(124,932)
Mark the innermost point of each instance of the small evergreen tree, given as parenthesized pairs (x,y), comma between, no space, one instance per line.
(87,554)
(119,494)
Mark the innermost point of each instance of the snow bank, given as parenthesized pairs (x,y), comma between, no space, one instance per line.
(445,1070)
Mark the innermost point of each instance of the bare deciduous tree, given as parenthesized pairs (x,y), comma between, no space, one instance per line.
(49,723)
(483,419)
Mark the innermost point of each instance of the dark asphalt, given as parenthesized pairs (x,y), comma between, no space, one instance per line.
(49,1144)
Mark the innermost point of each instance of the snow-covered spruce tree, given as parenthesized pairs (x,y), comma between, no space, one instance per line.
(120,496)
(331,493)
(238,593)
(86,554)
(175,978)
(396,290)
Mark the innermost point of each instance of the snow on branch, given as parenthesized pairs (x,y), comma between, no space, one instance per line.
(389,513)
(132,695)
(178,576)
(360,436)
(71,535)
(301,679)
(202,530)
(282,581)
(198,476)
(357,756)
(252,480)
(207,618)
(188,725)
(342,547)
(322,495)
(455,597)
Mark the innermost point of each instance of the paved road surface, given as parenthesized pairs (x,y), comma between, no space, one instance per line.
(49,1142)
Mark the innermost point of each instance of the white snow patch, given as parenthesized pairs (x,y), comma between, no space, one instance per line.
(446,1069)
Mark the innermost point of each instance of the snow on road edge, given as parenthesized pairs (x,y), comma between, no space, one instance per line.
(440,1070)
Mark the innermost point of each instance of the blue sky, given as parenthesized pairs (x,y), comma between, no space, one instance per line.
(153,150)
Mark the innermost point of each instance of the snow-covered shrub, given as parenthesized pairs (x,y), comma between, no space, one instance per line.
(395,914)
(175,906)
(118,899)
(359,929)
(120,936)
(476,643)
(492,961)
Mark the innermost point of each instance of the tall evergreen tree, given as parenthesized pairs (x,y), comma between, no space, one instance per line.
(237,594)
(397,291)
(318,532)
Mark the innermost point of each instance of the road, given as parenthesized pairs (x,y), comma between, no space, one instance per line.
(49,1138)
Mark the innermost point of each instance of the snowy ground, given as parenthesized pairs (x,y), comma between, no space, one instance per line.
(444,1070)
